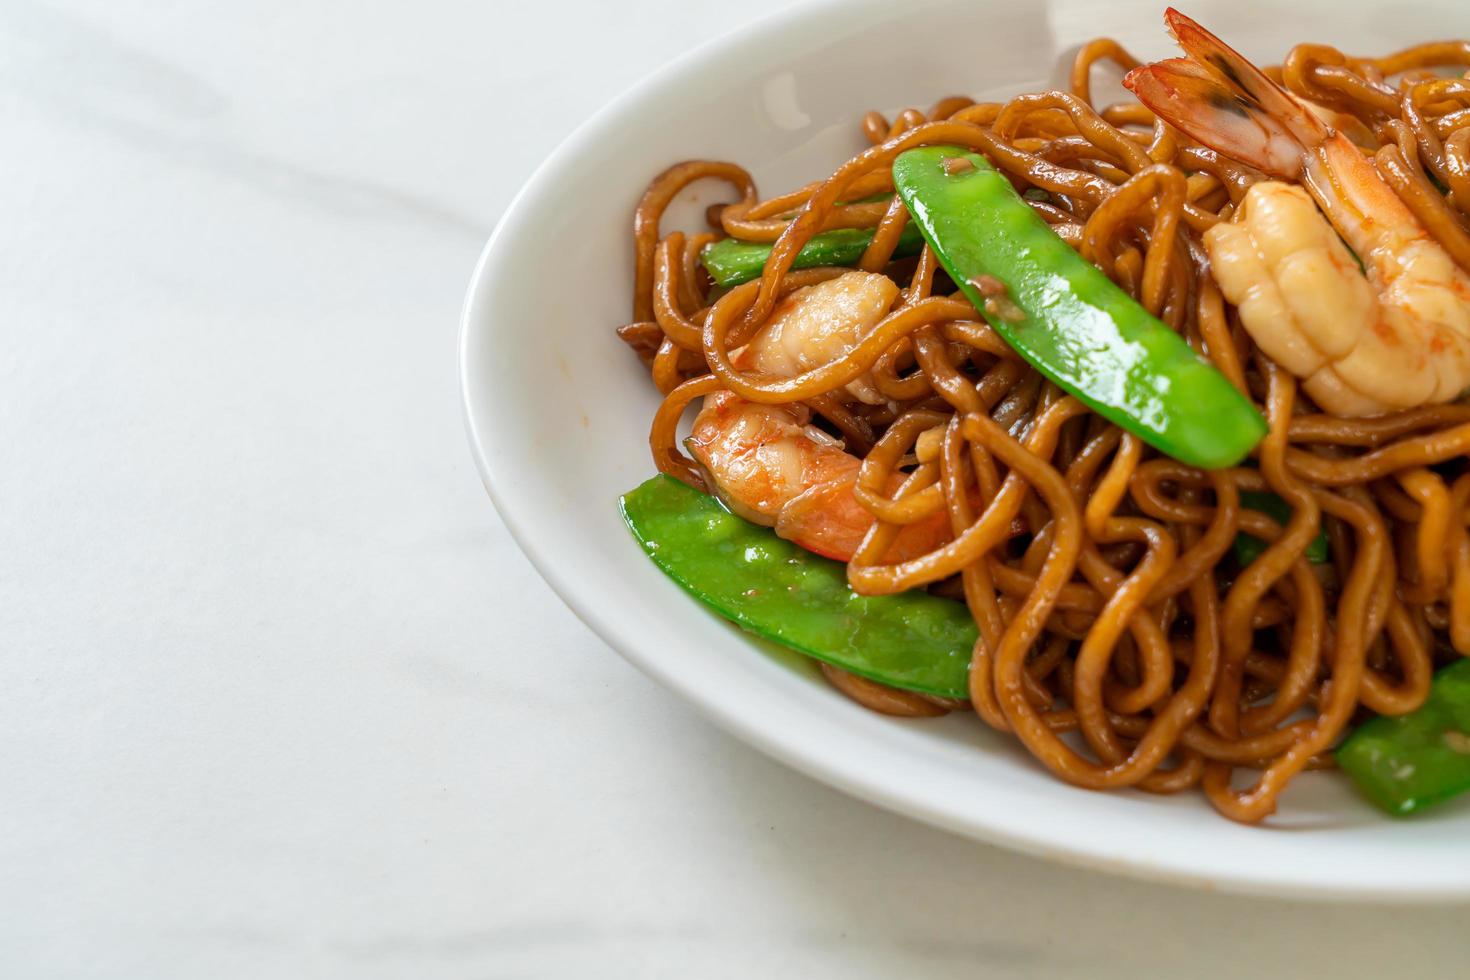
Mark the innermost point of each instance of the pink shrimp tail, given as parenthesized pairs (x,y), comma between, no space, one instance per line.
(827,519)
(1219,98)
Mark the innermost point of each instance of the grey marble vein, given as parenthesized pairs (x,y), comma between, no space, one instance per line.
(101,82)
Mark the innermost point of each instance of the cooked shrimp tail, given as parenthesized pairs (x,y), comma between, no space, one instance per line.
(1222,100)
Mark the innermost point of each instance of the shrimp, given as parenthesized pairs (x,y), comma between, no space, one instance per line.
(768,462)
(1390,335)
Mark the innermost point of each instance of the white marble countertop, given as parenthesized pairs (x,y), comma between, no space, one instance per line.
(278,695)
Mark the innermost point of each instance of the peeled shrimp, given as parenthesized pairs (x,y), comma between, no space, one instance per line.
(1390,335)
(768,462)
(820,323)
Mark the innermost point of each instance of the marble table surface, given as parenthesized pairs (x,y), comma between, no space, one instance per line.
(278,695)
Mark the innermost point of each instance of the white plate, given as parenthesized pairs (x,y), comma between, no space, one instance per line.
(558,414)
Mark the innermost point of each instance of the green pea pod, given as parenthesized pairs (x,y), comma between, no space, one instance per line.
(783,593)
(1407,763)
(1067,319)
(731,261)
(1248,548)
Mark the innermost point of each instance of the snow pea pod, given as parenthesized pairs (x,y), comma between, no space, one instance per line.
(1066,318)
(1407,763)
(732,261)
(783,593)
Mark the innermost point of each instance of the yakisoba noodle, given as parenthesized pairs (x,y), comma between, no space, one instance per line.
(1097,569)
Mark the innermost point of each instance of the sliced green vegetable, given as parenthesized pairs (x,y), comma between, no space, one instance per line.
(1407,763)
(731,261)
(786,594)
(1248,548)
(1066,318)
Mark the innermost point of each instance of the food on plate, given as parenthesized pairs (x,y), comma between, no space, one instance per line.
(1135,429)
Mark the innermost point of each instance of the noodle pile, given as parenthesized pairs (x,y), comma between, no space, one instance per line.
(1101,574)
